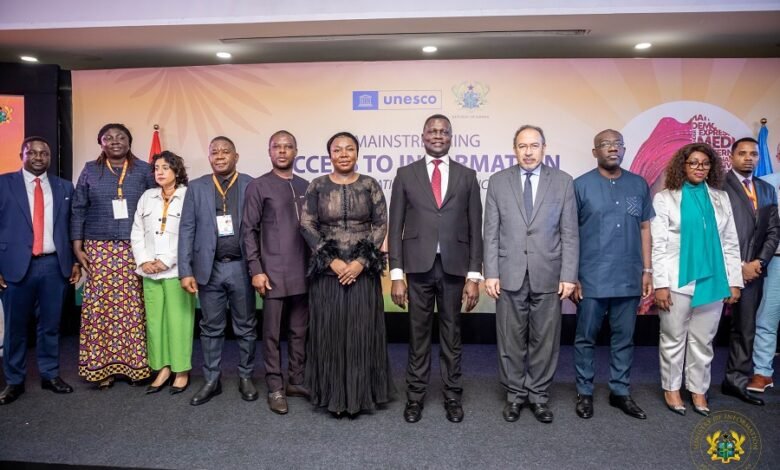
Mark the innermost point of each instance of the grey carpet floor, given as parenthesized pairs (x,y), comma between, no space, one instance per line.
(124,427)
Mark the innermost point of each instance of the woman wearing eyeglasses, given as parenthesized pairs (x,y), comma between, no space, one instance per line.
(697,269)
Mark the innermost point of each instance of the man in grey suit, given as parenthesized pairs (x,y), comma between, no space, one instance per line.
(435,239)
(531,255)
(212,264)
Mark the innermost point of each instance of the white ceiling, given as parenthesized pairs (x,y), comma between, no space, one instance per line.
(691,34)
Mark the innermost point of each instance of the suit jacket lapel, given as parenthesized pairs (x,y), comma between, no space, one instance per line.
(56,194)
(20,194)
(515,184)
(453,179)
(541,191)
(211,203)
(242,184)
(422,176)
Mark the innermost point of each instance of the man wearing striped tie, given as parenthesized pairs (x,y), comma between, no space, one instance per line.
(754,204)
(36,263)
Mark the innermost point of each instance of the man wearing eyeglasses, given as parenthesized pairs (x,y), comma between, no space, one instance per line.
(754,204)
(614,209)
(531,252)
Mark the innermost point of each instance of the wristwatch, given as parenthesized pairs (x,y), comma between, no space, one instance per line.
(647,270)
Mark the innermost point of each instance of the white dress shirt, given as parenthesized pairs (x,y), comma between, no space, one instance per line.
(397,274)
(48,207)
(146,239)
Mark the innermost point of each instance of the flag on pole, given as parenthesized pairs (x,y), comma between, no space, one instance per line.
(156,147)
(764,166)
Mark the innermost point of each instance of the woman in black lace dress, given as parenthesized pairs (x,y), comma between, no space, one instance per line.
(344,221)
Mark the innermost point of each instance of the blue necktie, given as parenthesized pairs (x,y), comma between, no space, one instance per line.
(528,195)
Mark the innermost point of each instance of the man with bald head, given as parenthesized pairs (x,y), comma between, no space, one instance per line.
(614,210)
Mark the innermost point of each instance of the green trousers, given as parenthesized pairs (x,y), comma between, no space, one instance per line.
(170,319)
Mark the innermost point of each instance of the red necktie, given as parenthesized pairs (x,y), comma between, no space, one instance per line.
(436,181)
(38,219)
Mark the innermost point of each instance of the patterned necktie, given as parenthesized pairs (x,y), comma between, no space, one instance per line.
(37,218)
(436,181)
(528,195)
(751,194)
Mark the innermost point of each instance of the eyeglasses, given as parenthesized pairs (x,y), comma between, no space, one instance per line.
(523,147)
(693,164)
(607,144)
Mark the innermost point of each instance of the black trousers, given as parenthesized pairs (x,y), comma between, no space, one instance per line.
(445,291)
(743,331)
(298,316)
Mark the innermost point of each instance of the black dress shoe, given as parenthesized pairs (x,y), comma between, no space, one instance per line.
(584,406)
(176,390)
(744,395)
(206,392)
(413,411)
(56,385)
(454,410)
(11,393)
(542,412)
(627,405)
(156,388)
(512,411)
(247,389)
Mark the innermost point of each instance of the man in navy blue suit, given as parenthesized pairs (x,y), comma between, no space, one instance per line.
(36,264)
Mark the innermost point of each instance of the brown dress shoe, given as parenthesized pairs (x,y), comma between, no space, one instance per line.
(277,402)
(759,383)
(295,390)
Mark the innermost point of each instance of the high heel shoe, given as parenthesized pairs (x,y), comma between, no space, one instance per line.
(678,409)
(702,410)
(156,388)
(174,390)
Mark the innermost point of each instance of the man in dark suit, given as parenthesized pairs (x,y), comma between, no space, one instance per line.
(277,255)
(531,261)
(212,264)
(754,204)
(36,263)
(435,239)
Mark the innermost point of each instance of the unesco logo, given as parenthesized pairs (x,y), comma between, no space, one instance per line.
(373,100)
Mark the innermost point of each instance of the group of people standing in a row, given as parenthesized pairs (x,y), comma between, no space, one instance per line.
(149,240)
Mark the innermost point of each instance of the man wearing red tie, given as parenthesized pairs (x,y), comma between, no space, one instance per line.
(435,239)
(754,205)
(36,263)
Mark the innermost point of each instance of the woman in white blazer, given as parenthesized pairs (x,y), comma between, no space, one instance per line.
(170,310)
(696,267)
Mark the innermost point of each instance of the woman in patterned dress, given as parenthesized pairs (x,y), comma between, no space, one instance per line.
(344,221)
(112,340)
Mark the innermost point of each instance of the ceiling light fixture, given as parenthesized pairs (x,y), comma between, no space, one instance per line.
(28,58)
(430,49)
(643,45)
(224,55)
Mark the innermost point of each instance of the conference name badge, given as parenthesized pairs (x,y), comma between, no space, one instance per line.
(225,225)
(162,243)
(120,208)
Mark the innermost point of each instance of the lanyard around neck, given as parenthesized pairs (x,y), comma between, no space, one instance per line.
(119,193)
(224,192)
